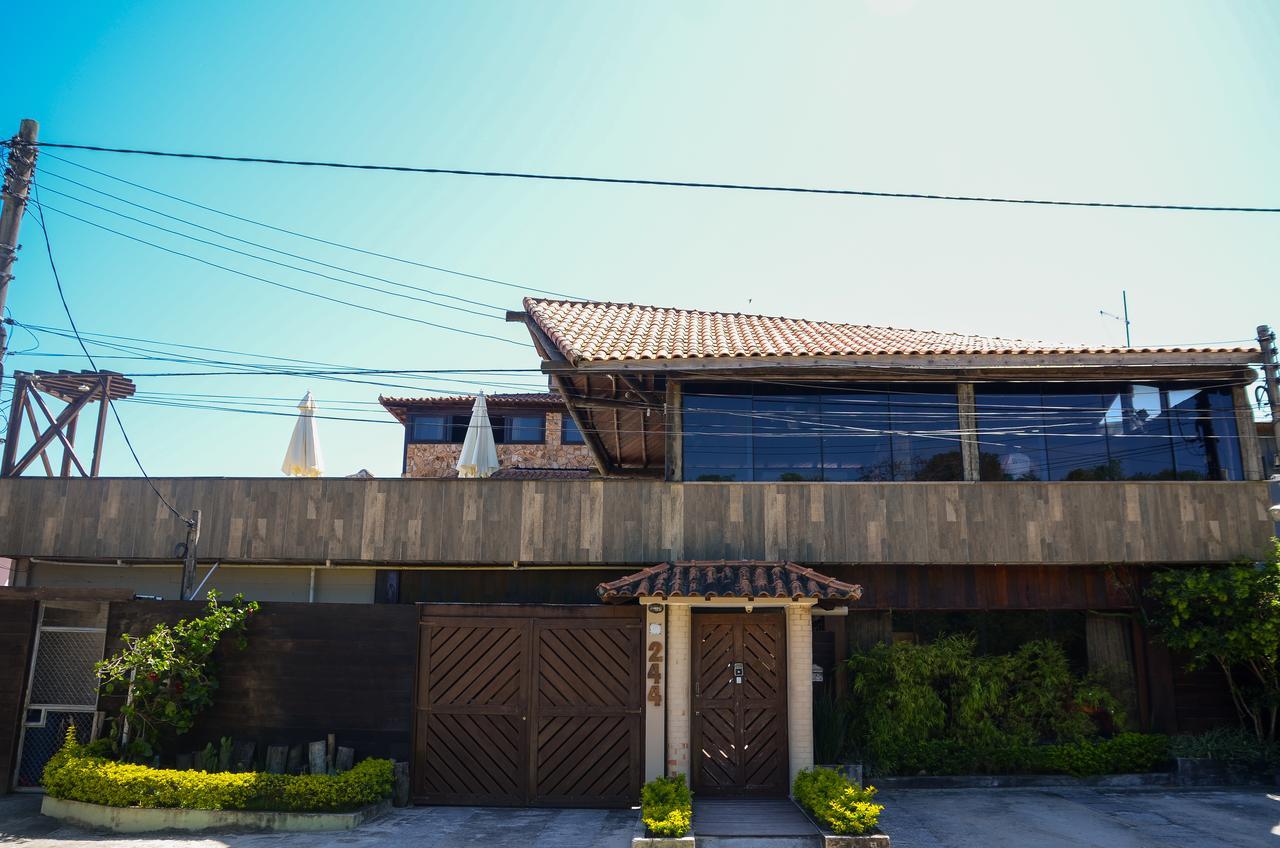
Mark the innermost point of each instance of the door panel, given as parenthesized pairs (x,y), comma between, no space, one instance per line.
(536,706)
(739,726)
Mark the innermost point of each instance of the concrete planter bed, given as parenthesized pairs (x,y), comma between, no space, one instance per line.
(1021,781)
(877,838)
(642,839)
(146,819)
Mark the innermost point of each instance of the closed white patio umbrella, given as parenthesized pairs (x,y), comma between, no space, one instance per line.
(304,459)
(479,457)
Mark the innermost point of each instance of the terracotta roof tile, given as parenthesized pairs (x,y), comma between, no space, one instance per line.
(728,579)
(591,331)
(401,406)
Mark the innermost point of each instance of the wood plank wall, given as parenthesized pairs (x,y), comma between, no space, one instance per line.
(309,670)
(17,633)
(1024,587)
(638,521)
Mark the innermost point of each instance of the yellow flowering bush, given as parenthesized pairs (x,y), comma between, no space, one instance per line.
(76,774)
(666,805)
(836,802)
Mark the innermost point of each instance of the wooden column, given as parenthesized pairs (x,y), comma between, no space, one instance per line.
(101,430)
(675,431)
(15,424)
(969,453)
(1108,642)
(1250,444)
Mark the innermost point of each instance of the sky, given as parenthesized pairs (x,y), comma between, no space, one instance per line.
(1156,102)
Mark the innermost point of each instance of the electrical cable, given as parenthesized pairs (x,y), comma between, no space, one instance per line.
(108,210)
(329,242)
(278,284)
(1183,207)
(35,196)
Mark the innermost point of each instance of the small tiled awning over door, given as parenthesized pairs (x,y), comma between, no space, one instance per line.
(747,579)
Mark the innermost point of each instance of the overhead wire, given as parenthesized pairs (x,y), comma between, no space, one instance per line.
(317,239)
(171,231)
(662,183)
(62,296)
(277,284)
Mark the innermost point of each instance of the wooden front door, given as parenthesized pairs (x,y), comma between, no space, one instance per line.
(739,721)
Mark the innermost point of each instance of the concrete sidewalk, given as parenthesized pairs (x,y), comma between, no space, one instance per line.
(1082,818)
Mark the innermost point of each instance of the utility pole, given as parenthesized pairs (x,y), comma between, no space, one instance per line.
(189,558)
(17,182)
(1124,298)
(1271,378)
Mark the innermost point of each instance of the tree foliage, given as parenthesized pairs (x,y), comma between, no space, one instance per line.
(168,675)
(1228,617)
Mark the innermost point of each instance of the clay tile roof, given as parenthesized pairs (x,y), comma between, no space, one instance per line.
(749,579)
(401,406)
(592,331)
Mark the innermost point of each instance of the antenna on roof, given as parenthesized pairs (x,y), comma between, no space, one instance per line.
(1124,299)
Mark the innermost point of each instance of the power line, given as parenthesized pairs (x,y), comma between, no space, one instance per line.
(1182,207)
(278,284)
(494,307)
(48,246)
(329,242)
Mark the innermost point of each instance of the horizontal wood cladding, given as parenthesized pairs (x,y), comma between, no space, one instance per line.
(308,670)
(561,522)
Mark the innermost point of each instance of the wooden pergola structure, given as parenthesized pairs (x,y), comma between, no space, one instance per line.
(74,389)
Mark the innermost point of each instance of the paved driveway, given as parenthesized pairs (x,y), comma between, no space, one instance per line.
(1081,818)
(915,818)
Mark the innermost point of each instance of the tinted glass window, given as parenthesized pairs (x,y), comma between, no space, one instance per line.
(820,432)
(855,436)
(1111,431)
(717,437)
(787,438)
(428,428)
(926,440)
(526,429)
(1205,446)
(1138,433)
(1010,434)
(569,432)
(1076,437)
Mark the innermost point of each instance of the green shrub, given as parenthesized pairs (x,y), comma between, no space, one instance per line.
(835,801)
(941,708)
(1122,754)
(666,806)
(1227,744)
(76,774)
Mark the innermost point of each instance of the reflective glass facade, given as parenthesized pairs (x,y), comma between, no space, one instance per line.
(812,432)
(1107,431)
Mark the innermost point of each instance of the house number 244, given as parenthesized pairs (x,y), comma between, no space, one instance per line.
(655,673)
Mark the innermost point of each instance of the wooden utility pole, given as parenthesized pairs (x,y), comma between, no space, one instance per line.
(17,182)
(189,559)
(1271,375)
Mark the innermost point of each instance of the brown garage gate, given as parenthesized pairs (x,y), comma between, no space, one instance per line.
(529,705)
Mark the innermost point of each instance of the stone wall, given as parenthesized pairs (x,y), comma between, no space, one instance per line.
(439,460)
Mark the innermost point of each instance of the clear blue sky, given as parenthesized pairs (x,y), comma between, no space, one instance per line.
(1137,101)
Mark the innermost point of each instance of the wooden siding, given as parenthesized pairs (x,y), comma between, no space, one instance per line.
(309,670)
(637,521)
(17,632)
(986,587)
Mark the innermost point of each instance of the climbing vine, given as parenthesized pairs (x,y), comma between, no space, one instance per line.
(168,676)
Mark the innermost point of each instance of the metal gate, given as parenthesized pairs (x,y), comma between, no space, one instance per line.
(62,688)
(529,706)
(739,704)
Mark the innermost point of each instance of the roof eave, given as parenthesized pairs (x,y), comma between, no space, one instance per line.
(937,361)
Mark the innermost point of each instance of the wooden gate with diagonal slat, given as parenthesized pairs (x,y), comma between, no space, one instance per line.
(529,705)
(739,728)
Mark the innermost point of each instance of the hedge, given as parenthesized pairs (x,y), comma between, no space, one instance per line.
(666,806)
(76,774)
(836,802)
